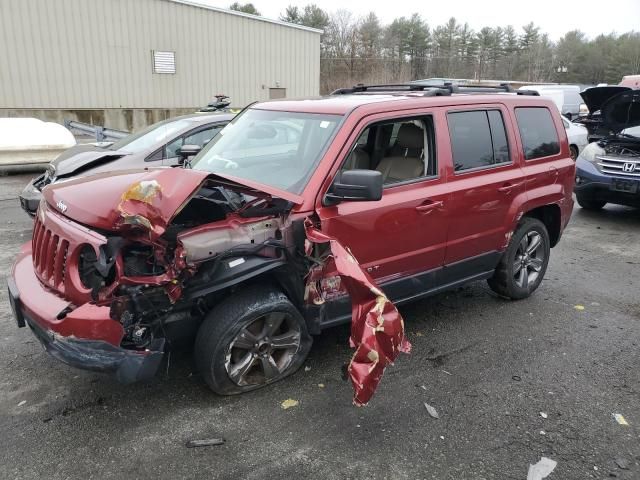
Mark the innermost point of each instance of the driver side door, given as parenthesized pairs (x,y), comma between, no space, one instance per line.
(399,240)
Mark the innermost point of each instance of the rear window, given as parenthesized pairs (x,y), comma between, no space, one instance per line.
(538,132)
(478,139)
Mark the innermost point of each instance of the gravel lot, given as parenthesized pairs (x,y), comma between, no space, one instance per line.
(489,366)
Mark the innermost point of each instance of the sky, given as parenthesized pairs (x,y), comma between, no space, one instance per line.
(555,17)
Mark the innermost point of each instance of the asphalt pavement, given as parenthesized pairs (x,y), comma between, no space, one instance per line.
(512,382)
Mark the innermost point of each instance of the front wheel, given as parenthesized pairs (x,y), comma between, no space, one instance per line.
(251,339)
(524,262)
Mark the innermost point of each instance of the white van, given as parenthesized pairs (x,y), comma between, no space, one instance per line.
(566,97)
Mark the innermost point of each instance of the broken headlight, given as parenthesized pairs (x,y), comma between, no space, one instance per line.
(89,273)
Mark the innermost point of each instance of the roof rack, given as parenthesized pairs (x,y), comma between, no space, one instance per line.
(430,90)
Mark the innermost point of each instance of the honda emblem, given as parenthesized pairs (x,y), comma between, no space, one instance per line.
(629,167)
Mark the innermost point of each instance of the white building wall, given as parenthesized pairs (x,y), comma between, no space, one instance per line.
(97,54)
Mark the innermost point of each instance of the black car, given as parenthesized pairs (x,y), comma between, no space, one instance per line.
(157,145)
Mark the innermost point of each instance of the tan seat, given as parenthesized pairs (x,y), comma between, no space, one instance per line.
(407,162)
(358,160)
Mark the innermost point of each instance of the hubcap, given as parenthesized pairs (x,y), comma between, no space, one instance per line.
(528,260)
(263,349)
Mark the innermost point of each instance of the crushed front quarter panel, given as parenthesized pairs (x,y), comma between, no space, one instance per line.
(377,328)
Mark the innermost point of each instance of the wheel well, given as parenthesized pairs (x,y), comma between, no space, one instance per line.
(550,216)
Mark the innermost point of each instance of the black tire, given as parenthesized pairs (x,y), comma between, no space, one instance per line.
(232,323)
(508,280)
(589,203)
(574,152)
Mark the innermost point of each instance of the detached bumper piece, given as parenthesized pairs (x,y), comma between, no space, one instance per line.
(128,366)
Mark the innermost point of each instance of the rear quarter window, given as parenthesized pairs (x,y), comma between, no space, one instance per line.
(537,132)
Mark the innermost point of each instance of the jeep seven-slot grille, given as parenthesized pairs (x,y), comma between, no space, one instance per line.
(49,256)
(619,166)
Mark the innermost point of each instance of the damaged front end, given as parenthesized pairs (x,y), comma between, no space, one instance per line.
(140,269)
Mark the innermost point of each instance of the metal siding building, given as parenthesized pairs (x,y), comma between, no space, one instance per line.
(94,58)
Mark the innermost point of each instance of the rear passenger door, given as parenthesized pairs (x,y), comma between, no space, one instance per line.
(484,182)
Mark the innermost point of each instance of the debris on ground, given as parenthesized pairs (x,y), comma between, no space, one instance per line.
(542,469)
(622,463)
(579,307)
(288,403)
(307,369)
(22,403)
(543,415)
(448,373)
(542,432)
(620,419)
(516,378)
(432,411)
(208,442)
(321,385)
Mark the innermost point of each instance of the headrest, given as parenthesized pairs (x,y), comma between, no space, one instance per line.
(410,136)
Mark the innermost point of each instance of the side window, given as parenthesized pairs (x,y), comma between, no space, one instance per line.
(171,150)
(402,150)
(478,139)
(538,132)
(200,138)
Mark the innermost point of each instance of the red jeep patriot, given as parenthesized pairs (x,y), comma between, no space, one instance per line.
(427,187)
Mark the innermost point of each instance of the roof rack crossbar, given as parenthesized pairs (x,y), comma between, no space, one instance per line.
(447,88)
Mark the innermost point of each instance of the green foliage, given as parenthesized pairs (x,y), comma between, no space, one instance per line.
(244,7)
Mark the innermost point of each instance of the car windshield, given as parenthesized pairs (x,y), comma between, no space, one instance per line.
(279,149)
(152,136)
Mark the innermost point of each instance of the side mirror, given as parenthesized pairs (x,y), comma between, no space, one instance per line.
(355,185)
(187,151)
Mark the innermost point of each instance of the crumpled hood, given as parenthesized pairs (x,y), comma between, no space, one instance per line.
(84,156)
(595,97)
(113,201)
(149,199)
(622,110)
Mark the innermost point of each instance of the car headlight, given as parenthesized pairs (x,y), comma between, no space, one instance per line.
(590,152)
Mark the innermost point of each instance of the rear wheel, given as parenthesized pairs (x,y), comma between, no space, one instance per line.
(254,338)
(589,203)
(524,262)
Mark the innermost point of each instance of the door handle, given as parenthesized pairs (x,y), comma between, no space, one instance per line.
(429,206)
(507,187)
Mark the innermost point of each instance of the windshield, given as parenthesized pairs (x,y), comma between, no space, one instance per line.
(151,136)
(279,149)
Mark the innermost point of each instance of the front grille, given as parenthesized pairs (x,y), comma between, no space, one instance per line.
(49,256)
(613,165)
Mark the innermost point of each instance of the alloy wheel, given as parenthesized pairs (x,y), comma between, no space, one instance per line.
(262,350)
(529,259)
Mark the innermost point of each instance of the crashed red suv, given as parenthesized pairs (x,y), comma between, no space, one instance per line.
(300,215)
